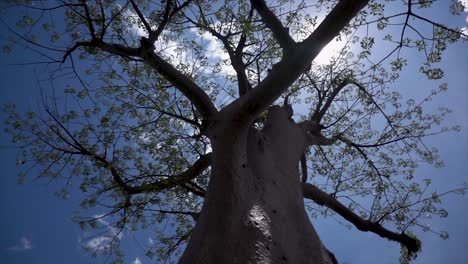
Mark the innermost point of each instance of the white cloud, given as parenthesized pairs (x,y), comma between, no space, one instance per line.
(464,30)
(103,242)
(171,50)
(465,4)
(214,46)
(138,31)
(23,244)
(98,244)
(137,28)
(214,50)
(137,261)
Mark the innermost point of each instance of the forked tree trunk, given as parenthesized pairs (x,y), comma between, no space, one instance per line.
(254,209)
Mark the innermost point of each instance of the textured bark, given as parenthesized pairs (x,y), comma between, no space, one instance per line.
(254,209)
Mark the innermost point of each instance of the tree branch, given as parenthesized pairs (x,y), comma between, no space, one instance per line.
(146,51)
(318,114)
(335,21)
(153,36)
(296,59)
(324,199)
(142,17)
(194,215)
(116,49)
(280,33)
(180,179)
(439,25)
(184,84)
(193,190)
(197,168)
(89,20)
(235,55)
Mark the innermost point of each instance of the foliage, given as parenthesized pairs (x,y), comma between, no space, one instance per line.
(122,122)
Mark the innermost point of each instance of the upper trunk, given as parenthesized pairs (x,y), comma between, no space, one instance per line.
(254,208)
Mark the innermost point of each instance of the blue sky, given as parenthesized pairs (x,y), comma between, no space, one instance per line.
(35,226)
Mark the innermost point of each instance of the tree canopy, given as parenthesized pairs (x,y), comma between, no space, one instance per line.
(149,78)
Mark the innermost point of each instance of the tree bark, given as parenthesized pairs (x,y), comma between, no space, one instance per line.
(254,209)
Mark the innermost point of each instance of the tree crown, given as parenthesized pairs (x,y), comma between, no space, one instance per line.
(150,79)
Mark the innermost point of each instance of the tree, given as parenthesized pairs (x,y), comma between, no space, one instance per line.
(184,111)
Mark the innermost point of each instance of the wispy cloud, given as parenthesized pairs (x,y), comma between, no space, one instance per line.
(136,27)
(102,243)
(23,244)
(98,244)
(137,261)
(464,30)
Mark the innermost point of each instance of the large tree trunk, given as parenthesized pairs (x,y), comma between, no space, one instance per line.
(254,209)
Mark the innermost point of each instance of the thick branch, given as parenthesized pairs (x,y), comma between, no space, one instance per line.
(296,59)
(322,198)
(335,21)
(280,33)
(184,84)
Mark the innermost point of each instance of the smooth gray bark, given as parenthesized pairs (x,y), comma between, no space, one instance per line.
(254,209)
